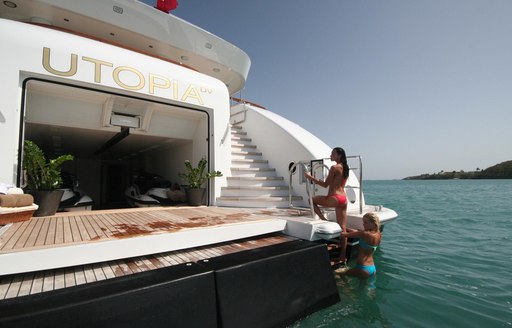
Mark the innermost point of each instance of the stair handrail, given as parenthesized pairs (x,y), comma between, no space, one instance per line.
(311,193)
(360,180)
(291,171)
(360,168)
(245,101)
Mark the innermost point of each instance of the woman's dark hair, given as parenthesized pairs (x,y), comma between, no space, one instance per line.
(344,163)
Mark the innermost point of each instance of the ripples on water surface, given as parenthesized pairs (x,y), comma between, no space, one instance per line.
(445,262)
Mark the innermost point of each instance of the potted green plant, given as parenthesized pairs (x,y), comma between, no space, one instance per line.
(43,178)
(195,178)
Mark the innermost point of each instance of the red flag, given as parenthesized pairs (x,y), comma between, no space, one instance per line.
(166,5)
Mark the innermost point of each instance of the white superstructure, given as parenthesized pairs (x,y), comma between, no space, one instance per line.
(134,25)
(128,89)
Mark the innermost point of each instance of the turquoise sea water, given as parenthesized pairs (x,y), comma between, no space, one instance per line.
(445,262)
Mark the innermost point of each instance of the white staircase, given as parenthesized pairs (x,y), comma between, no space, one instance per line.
(253,183)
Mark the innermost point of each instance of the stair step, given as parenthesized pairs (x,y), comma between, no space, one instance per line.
(258,199)
(253,169)
(253,183)
(234,138)
(241,143)
(238,155)
(246,153)
(255,202)
(255,191)
(249,161)
(256,182)
(242,146)
(256,178)
(255,188)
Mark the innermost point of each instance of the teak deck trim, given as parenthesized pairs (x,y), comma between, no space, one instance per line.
(17,285)
(69,239)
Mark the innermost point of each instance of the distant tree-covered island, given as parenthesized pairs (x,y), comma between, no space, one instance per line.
(498,171)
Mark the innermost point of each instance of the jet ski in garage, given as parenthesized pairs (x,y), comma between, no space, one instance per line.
(73,198)
(149,189)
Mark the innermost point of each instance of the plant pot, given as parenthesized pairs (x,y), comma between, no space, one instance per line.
(48,201)
(196,197)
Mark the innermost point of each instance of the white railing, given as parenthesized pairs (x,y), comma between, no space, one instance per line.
(315,165)
(291,170)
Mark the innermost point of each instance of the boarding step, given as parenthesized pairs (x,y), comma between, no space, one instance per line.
(241,144)
(268,202)
(246,153)
(256,178)
(237,146)
(252,171)
(235,155)
(255,191)
(255,181)
(243,139)
(238,133)
(249,163)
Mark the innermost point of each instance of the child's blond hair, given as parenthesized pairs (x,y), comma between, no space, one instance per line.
(374,218)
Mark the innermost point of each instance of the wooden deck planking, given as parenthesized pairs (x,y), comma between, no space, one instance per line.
(98,272)
(73,229)
(13,289)
(37,283)
(59,231)
(120,268)
(32,239)
(48,280)
(139,220)
(17,231)
(59,281)
(32,283)
(92,227)
(79,275)
(209,252)
(89,273)
(26,284)
(50,236)
(105,226)
(84,227)
(107,270)
(133,267)
(23,237)
(70,228)
(109,224)
(43,232)
(169,259)
(118,224)
(84,234)
(69,277)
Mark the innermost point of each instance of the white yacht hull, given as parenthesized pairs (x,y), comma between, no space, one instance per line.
(77,77)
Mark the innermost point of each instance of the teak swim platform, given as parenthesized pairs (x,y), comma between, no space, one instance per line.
(77,238)
(218,280)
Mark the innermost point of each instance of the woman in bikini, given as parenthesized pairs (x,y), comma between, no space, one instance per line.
(369,240)
(336,197)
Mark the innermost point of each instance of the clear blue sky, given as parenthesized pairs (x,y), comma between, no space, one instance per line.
(412,86)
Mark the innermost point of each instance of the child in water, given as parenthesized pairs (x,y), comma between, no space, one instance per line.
(369,240)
